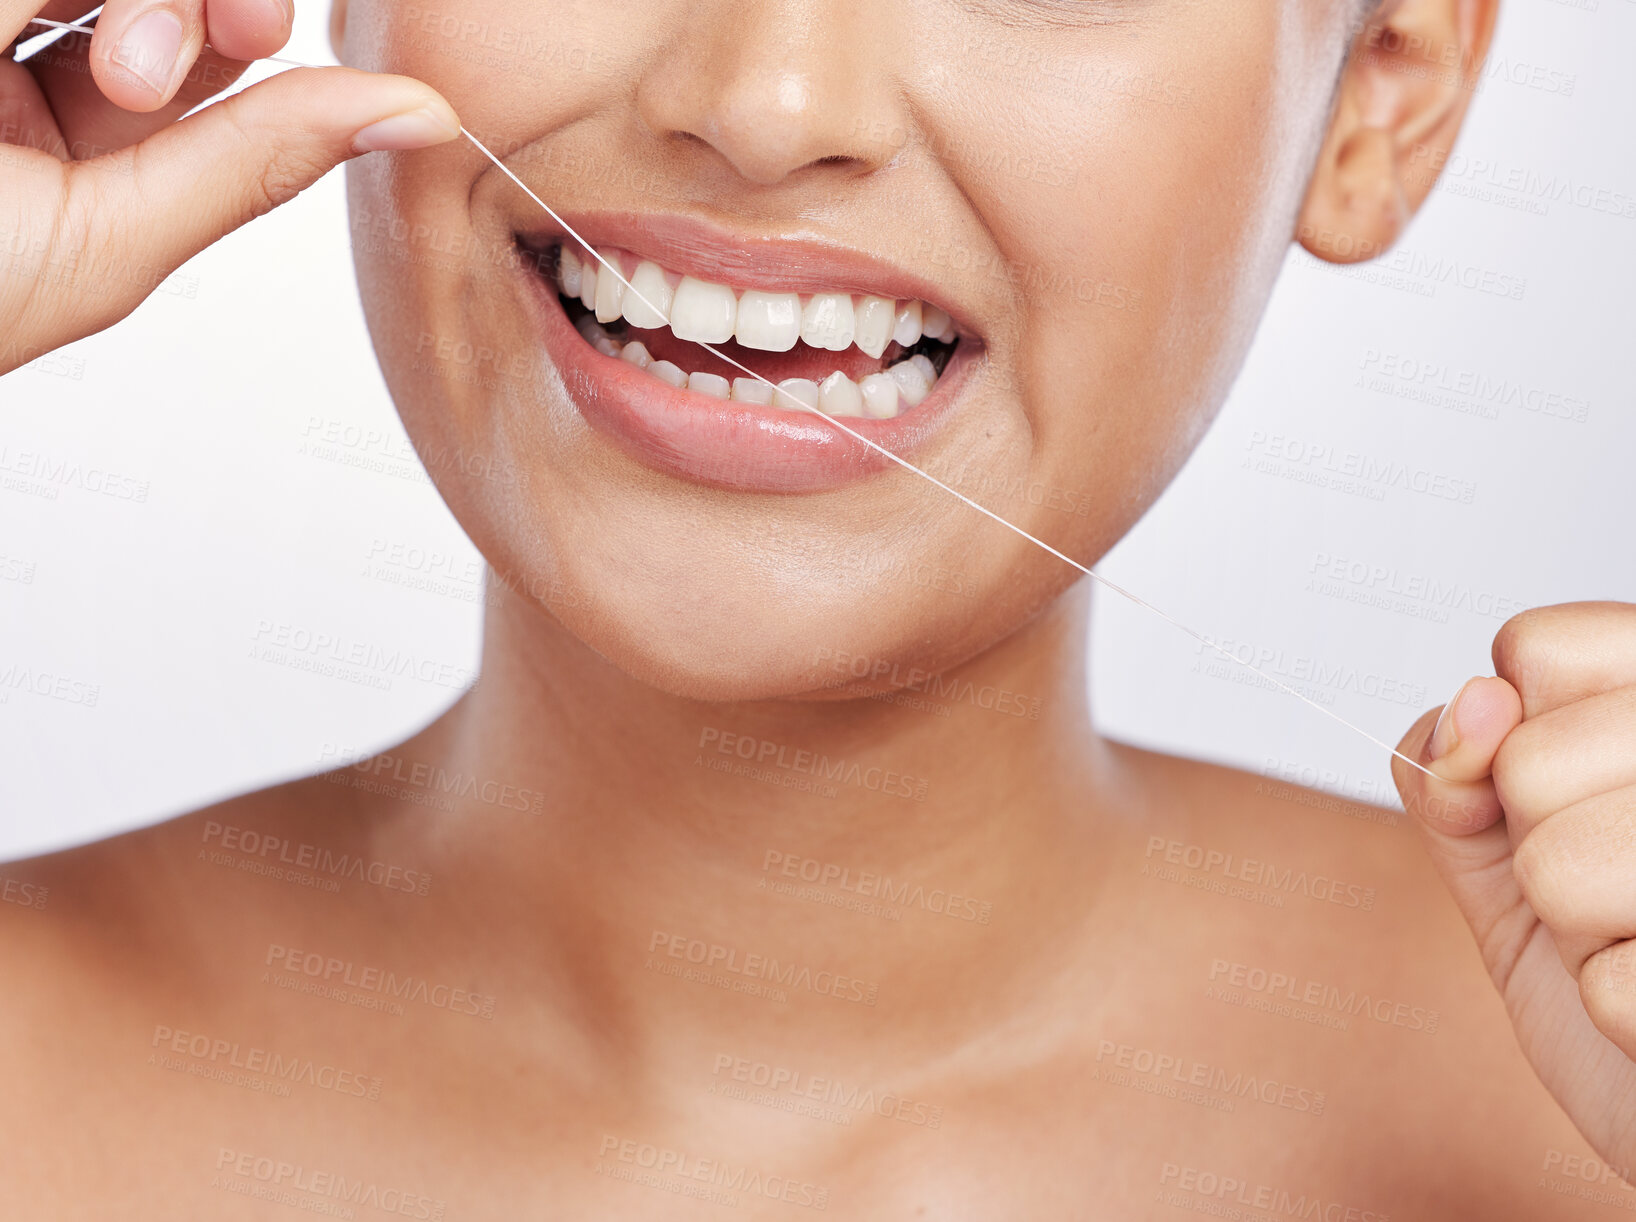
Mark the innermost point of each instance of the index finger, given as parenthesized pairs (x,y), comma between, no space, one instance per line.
(1556,655)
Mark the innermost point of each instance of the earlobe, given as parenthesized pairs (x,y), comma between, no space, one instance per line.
(338,28)
(1402,99)
(1357,205)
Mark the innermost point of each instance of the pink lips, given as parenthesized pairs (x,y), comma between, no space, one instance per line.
(718,441)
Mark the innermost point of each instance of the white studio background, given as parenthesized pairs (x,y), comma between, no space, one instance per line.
(1488,358)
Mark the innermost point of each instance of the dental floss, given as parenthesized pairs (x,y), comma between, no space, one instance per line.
(905,464)
(47,40)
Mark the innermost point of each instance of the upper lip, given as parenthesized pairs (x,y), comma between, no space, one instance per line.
(696,247)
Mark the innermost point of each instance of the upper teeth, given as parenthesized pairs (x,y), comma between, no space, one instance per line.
(704,312)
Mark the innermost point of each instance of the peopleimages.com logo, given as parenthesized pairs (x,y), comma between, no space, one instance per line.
(258,847)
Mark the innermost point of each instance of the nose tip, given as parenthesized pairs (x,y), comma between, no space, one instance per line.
(770,99)
(775,129)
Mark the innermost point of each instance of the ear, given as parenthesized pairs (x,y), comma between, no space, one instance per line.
(338,28)
(1413,69)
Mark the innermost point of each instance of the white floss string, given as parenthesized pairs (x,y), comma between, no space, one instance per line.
(43,41)
(905,464)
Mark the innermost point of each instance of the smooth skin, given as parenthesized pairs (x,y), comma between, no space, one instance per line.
(541,853)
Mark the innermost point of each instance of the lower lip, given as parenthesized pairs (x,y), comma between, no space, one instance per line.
(728,444)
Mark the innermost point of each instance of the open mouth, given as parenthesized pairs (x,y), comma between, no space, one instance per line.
(841,353)
(867,364)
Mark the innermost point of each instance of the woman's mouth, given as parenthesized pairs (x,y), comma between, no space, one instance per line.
(885,365)
(844,354)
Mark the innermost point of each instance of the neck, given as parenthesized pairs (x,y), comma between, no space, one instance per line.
(891,852)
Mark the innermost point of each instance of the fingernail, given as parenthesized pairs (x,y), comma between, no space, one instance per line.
(1445,736)
(415,129)
(150,48)
(279,13)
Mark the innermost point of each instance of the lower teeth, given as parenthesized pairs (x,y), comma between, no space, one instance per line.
(879,396)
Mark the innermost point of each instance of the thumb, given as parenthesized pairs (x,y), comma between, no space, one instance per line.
(1458,809)
(196,180)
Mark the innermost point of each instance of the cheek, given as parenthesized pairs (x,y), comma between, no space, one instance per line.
(439,288)
(508,64)
(413,286)
(1165,174)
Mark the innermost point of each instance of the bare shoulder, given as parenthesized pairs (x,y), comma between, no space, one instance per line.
(103,945)
(130,889)
(1317,926)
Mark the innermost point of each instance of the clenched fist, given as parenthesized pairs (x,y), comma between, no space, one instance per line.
(1533,827)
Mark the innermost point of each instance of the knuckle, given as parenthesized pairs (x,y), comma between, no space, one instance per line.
(1528,868)
(1542,875)
(1606,993)
(283,177)
(1523,649)
(280,173)
(1515,771)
